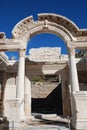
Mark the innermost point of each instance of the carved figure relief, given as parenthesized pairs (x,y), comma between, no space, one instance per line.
(45,54)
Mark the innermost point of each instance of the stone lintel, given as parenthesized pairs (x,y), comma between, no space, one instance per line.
(79,44)
(11,45)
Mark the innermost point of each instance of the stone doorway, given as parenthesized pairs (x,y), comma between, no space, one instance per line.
(47,95)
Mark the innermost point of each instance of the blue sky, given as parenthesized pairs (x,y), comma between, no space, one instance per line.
(12,11)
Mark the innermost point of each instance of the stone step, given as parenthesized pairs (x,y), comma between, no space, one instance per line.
(47,122)
(47,127)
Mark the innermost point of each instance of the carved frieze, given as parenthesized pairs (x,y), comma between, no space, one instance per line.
(45,54)
(24,27)
(50,23)
(65,22)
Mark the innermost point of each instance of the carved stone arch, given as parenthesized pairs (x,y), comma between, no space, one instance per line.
(47,23)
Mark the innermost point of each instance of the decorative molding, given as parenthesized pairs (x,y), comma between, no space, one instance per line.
(65,22)
(47,23)
(24,28)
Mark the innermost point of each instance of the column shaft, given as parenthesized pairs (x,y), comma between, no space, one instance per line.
(20,83)
(73,71)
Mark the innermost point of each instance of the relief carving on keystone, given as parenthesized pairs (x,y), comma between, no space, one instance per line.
(2,35)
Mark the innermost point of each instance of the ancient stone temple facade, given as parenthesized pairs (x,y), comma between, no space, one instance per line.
(16,76)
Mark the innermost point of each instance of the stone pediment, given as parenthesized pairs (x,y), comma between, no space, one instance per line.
(45,54)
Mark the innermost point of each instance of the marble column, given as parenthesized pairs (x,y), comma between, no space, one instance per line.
(73,71)
(20,83)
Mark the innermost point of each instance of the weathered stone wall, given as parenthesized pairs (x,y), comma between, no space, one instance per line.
(42,89)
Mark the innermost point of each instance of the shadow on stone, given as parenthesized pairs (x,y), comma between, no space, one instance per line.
(42,120)
(4,124)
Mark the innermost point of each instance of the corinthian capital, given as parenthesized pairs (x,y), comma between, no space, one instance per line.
(22,53)
(71,51)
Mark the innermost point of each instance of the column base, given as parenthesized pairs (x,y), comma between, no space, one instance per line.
(15,110)
(79,124)
(79,113)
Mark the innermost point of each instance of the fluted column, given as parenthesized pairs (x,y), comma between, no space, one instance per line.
(20,83)
(73,70)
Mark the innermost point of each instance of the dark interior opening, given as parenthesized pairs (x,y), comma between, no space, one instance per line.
(52,104)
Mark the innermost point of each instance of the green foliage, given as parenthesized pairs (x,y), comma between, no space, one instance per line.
(79,54)
(37,79)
